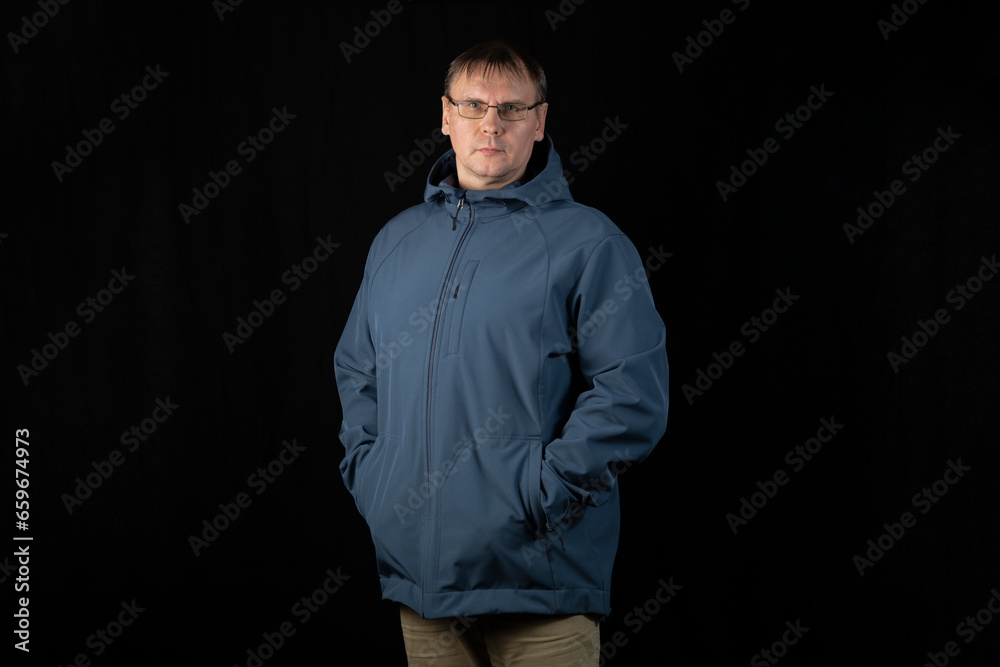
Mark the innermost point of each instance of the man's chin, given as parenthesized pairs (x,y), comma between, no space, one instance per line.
(491,171)
(491,165)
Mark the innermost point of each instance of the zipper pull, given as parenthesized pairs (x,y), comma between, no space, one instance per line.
(461,202)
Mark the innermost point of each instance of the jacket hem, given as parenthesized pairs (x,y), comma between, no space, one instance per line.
(496,600)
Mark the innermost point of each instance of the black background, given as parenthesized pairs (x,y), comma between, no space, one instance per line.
(325,176)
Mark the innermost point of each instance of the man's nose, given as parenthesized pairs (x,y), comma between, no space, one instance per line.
(491,123)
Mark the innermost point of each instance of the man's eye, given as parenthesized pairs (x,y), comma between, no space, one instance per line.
(472,105)
(511,107)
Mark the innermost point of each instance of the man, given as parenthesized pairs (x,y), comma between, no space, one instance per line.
(502,363)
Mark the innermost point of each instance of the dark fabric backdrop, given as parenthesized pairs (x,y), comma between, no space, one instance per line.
(161,337)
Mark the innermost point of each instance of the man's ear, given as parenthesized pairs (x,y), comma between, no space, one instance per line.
(540,127)
(445,126)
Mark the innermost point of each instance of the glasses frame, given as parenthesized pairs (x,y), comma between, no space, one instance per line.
(493,106)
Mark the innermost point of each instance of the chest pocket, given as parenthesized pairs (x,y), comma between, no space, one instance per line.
(458,298)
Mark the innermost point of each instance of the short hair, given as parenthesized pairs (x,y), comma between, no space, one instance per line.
(500,57)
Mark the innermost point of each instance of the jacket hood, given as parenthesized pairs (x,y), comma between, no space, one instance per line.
(543,180)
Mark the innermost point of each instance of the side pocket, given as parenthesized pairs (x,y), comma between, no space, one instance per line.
(487,533)
(534,489)
(459,298)
(365,483)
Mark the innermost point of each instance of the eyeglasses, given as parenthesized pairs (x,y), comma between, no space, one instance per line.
(506,110)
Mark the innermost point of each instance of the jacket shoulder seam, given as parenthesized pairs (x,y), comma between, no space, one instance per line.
(386,256)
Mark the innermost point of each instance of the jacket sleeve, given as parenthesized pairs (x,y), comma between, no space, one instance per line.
(354,366)
(621,414)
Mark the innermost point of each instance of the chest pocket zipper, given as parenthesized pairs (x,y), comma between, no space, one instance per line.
(459,299)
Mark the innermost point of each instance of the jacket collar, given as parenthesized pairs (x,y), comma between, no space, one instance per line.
(543,180)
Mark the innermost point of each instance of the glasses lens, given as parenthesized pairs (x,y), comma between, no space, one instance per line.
(472,109)
(512,111)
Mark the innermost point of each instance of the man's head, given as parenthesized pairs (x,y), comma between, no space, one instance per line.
(492,152)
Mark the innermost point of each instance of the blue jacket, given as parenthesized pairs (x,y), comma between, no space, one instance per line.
(502,363)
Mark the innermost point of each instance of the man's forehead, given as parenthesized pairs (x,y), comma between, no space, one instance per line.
(477,83)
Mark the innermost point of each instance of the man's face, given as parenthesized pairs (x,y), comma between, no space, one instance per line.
(491,152)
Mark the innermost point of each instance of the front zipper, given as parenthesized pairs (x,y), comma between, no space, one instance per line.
(461,202)
(430,374)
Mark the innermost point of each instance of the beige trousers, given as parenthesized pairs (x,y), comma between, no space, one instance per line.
(501,640)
